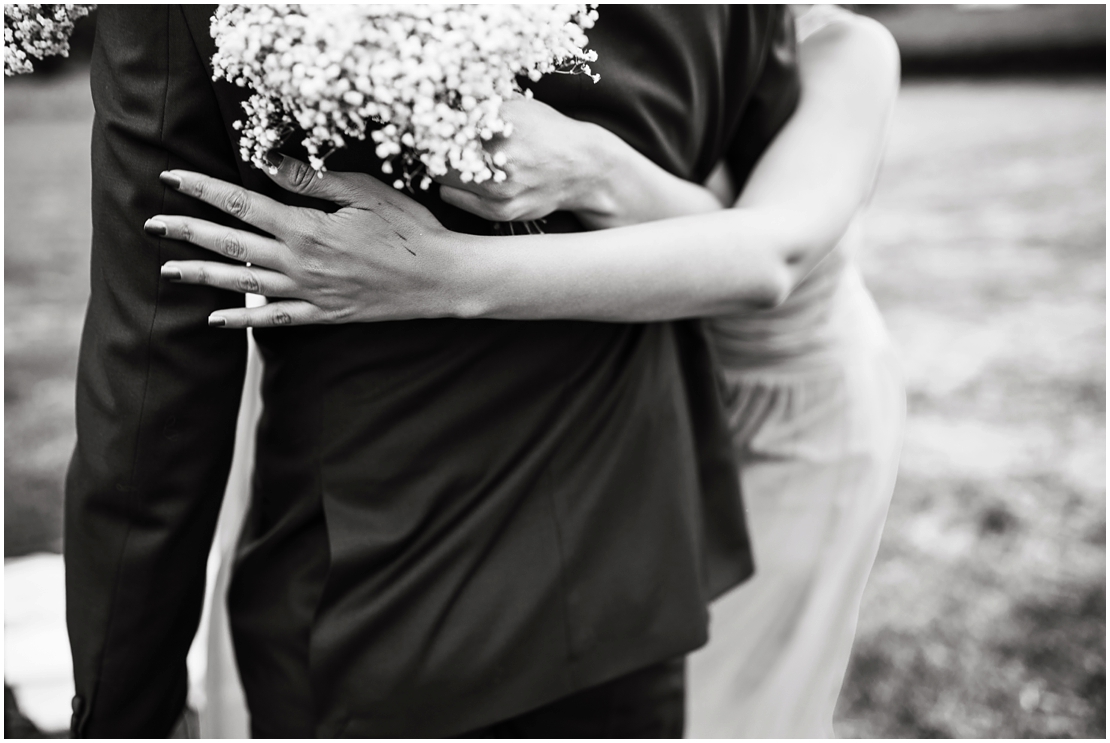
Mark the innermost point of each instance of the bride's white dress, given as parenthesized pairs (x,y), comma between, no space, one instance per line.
(214,687)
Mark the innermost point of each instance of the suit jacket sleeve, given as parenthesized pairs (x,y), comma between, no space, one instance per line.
(770,103)
(157,390)
(775,95)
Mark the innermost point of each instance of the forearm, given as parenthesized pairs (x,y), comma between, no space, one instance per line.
(708,264)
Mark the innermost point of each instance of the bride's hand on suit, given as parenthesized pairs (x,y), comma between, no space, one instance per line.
(313,263)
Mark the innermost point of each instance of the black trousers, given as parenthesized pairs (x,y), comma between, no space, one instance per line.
(649,703)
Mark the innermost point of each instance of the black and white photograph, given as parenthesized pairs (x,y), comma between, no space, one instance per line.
(555,371)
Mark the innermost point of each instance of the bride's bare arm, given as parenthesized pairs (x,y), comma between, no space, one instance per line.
(383,257)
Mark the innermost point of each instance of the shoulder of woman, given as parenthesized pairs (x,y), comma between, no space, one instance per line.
(866,35)
(862,43)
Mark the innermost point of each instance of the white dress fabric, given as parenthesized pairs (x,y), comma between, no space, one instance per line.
(816,408)
(215,691)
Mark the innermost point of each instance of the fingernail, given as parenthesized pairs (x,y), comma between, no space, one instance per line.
(169,272)
(155,227)
(169,179)
(216,322)
(275,158)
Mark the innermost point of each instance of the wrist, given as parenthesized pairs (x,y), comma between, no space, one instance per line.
(465,278)
(595,197)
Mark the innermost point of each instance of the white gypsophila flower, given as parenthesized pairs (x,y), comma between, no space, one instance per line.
(433,76)
(37,31)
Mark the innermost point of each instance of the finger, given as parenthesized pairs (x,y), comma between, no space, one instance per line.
(252,208)
(453,180)
(344,189)
(242,279)
(238,245)
(495,210)
(490,187)
(272,315)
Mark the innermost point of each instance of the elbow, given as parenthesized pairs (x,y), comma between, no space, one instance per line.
(780,256)
(771,290)
(780,287)
(786,267)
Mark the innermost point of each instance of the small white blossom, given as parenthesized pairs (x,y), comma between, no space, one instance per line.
(435,76)
(38,31)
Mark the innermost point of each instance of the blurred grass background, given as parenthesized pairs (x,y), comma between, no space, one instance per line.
(985,613)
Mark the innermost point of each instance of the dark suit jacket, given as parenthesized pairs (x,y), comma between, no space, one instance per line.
(452,521)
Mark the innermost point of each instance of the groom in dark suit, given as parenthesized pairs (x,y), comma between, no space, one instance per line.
(455,524)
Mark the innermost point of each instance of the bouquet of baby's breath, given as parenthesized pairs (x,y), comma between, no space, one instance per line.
(37,31)
(433,76)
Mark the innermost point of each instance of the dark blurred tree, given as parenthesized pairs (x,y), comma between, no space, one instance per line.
(995,39)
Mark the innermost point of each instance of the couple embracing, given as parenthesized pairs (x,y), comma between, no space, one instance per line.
(498,478)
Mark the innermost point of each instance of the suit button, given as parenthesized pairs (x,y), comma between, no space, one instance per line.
(78,704)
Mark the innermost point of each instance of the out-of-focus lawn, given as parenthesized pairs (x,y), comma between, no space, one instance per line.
(47,228)
(985,612)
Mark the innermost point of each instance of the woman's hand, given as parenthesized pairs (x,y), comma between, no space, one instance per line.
(556,163)
(553,163)
(382,256)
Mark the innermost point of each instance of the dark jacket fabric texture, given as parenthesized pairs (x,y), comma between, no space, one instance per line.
(452,522)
